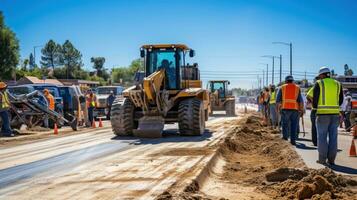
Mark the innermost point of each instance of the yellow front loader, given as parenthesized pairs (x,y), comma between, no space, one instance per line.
(170,92)
(221,100)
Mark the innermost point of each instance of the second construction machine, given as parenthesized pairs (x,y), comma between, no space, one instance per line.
(221,100)
(170,92)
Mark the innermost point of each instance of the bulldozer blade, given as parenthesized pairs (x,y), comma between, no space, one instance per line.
(150,127)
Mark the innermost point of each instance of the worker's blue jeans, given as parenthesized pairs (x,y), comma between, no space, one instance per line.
(5,128)
(273,115)
(313,127)
(289,122)
(90,114)
(327,126)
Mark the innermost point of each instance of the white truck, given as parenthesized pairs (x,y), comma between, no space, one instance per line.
(102,94)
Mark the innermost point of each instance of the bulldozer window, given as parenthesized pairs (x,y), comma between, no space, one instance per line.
(220,88)
(164,59)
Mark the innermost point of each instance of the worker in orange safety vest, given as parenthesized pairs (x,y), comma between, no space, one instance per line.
(291,105)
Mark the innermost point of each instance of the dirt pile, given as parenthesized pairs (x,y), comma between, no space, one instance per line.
(258,164)
(309,183)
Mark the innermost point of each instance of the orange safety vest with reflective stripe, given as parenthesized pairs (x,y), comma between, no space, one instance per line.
(289,95)
(51,101)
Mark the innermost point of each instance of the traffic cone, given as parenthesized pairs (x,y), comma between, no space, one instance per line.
(93,124)
(55,130)
(100,123)
(353,149)
(354,131)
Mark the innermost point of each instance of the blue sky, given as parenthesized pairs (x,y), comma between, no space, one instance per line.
(229,36)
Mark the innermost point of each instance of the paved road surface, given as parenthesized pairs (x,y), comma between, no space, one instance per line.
(98,165)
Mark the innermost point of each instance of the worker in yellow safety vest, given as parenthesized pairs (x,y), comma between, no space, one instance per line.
(91,100)
(327,98)
(272,107)
(4,111)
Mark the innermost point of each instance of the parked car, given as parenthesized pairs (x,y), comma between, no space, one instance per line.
(71,96)
(103,93)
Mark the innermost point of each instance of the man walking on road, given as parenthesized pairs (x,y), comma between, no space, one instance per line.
(290,102)
(327,98)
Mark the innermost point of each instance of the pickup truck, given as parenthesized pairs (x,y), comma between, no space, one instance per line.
(103,93)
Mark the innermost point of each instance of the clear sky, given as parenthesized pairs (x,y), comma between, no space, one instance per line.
(228,36)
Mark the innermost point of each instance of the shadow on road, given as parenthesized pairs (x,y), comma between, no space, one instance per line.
(343,169)
(169,135)
(303,146)
(304,139)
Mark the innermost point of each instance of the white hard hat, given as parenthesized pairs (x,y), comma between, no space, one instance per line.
(324,70)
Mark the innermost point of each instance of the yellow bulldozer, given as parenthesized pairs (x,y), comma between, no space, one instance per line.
(221,100)
(170,92)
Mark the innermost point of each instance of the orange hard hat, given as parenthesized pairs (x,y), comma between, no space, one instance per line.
(46,91)
(2,85)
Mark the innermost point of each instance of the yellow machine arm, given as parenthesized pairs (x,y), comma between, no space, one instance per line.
(152,85)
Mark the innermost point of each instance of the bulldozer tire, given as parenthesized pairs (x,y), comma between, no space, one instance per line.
(191,117)
(122,117)
(230,108)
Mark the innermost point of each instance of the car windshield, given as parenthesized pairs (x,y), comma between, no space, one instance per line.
(107,90)
(52,90)
(19,90)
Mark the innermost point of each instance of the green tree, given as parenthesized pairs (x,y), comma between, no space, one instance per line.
(98,65)
(9,50)
(125,75)
(51,54)
(32,63)
(24,64)
(71,58)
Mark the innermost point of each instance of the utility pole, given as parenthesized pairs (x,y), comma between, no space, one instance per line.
(263,76)
(291,58)
(272,73)
(267,75)
(280,68)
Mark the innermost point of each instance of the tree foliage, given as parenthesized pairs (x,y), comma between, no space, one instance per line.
(51,54)
(71,58)
(98,65)
(125,75)
(348,71)
(9,50)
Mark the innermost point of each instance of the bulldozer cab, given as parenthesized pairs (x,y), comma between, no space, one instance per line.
(172,58)
(220,88)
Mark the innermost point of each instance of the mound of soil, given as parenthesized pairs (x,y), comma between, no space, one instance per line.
(310,184)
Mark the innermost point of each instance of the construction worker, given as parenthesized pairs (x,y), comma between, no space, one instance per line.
(327,98)
(290,103)
(266,105)
(50,99)
(51,105)
(110,101)
(347,111)
(91,104)
(4,111)
(272,107)
(309,97)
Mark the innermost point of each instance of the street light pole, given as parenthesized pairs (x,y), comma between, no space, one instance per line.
(291,54)
(34,52)
(291,58)
(280,68)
